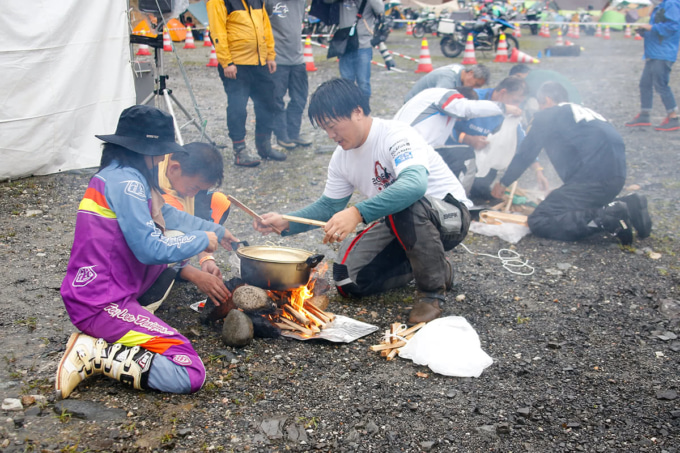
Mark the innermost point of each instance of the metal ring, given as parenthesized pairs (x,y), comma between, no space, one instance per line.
(338,234)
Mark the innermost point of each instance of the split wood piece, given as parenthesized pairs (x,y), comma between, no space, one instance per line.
(325,314)
(304,221)
(408,334)
(314,311)
(315,321)
(297,327)
(497,218)
(249,211)
(283,326)
(393,346)
(394,327)
(296,314)
(513,187)
(393,353)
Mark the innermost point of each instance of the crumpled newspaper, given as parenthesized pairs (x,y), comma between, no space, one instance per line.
(341,330)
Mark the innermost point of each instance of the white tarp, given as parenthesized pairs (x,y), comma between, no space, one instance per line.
(66,76)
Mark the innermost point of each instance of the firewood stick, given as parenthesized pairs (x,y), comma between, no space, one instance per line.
(311,308)
(315,320)
(380,347)
(283,326)
(326,314)
(513,187)
(296,314)
(411,330)
(304,330)
(394,327)
(393,353)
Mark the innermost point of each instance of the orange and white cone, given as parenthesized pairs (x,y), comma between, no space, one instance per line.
(560,41)
(189,40)
(606,33)
(424,62)
(143,48)
(469,52)
(517,56)
(517,33)
(409,29)
(206,38)
(502,51)
(598,31)
(637,37)
(577,31)
(627,34)
(309,56)
(570,30)
(167,42)
(212,63)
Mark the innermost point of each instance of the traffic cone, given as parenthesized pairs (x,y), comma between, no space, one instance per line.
(469,53)
(502,51)
(212,63)
(627,34)
(637,37)
(143,48)
(606,33)
(167,42)
(409,29)
(189,40)
(598,31)
(517,56)
(547,31)
(517,33)
(559,41)
(577,31)
(206,38)
(309,56)
(425,62)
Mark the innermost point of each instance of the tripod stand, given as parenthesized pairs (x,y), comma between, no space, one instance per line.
(161,90)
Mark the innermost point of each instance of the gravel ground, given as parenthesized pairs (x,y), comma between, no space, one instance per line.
(585,350)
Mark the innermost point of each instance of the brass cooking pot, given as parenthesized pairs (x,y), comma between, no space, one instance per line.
(275,267)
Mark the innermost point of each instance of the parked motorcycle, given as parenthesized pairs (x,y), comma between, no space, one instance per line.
(429,25)
(486,33)
(313,26)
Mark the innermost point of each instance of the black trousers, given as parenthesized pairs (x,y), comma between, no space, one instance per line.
(251,82)
(567,211)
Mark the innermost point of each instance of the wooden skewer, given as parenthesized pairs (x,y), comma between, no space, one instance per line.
(304,221)
(513,187)
(249,211)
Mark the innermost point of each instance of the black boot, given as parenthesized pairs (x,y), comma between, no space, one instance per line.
(615,219)
(639,215)
(263,144)
(244,157)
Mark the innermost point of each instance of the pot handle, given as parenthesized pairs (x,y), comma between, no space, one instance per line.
(234,245)
(311,262)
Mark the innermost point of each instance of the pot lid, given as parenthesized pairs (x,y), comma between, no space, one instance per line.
(274,254)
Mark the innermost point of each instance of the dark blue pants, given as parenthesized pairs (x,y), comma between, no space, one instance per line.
(251,82)
(655,76)
(291,79)
(565,213)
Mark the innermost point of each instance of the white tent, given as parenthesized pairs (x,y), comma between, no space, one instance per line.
(66,76)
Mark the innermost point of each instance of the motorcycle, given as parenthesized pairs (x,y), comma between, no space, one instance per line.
(486,33)
(313,26)
(429,25)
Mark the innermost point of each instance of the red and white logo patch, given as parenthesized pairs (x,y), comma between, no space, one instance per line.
(182,360)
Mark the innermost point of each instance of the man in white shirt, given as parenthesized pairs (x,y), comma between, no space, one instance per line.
(415,208)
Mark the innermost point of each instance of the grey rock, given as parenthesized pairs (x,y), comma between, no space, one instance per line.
(427,446)
(573,425)
(451,393)
(675,413)
(9,384)
(353,436)
(503,428)
(272,427)
(488,431)
(296,433)
(669,308)
(227,355)
(372,428)
(669,395)
(251,298)
(524,411)
(259,438)
(675,346)
(33,411)
(183,432)
(89,410)
(19,419)
(563,266)
(12,404)
(667,336)
(237,330)
(553,272)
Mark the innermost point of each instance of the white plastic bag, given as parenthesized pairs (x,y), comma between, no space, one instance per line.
(501,148)
(510,232)
(449,346)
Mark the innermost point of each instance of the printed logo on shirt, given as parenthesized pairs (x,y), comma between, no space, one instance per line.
(84,276)
(139,320)
(182,360)
(382,178)
(177,241)
(584,114)
(281,10)
(399,147)
(403,157)
(135,189)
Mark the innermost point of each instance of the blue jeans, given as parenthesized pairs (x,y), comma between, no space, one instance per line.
(291,79)
(356,67)
(656,76)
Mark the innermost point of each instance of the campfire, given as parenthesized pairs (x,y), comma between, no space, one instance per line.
(300,310)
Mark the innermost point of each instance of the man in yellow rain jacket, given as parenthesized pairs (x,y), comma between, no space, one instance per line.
(243,40)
